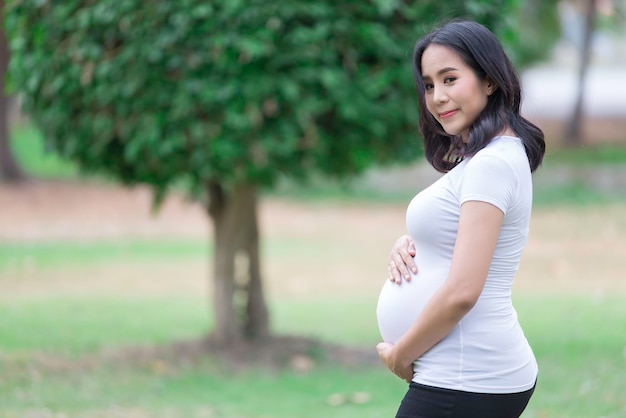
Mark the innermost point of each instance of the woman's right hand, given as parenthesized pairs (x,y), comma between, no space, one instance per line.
(401,260)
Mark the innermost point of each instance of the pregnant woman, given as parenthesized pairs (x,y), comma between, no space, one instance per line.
(445,315)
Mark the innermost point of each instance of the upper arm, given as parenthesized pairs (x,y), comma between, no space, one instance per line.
(489,190)
(477,236)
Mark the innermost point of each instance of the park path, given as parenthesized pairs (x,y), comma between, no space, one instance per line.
(550,92)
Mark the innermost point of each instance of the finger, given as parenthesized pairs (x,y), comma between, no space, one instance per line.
(400,264)
(401,241)
(409,262)
(407,377)
(401,244)
(407,374)
(394,274)
(382,347)
(411,247)
(408,257)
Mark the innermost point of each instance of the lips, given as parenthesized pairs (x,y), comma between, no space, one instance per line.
(448,114)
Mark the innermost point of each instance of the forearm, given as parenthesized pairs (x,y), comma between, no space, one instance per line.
(440,315)
(479,227)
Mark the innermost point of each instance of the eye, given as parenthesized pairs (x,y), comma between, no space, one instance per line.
(449,80)
(428,86)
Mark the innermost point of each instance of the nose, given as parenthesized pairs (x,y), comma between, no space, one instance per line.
(439,95)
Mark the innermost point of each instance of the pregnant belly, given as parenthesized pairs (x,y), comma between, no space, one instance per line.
(399,305)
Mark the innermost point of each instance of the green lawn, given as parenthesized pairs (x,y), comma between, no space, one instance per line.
(33,156)
(51,254)
(579,342)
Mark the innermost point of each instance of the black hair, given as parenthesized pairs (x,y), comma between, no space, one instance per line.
(480,50)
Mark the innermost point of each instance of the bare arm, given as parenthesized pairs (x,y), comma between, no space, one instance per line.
(479,227)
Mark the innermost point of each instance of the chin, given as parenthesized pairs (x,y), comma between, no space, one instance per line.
(451,131)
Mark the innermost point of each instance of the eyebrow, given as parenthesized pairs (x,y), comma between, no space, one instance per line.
(442,71)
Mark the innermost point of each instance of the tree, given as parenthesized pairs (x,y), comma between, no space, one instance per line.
(226,97)
(573,133)
(9,169)
(535,31)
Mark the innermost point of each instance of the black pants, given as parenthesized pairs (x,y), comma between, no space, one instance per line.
(423,401)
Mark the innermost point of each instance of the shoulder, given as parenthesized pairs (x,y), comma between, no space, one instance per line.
(503,153)
(496,174)
(503,146)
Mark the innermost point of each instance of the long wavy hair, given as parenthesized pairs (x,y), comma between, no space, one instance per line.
(481,51)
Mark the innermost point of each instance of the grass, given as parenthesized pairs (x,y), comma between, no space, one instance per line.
(575,193)
(93,324)
(30,151)
(572,192)
(578,340)
(588,155)
(580,348)
(44,255)
(569,176)
(202,391)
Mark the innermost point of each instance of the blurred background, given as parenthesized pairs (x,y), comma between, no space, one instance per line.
(197,202)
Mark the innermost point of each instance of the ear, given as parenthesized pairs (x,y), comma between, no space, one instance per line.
(490,86)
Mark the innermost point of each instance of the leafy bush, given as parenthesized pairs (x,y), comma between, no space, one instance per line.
(228,91)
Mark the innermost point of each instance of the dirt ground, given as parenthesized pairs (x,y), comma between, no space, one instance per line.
(570,249)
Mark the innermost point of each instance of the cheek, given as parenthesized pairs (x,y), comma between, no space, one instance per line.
(429,105)
(480,97)
(483,104)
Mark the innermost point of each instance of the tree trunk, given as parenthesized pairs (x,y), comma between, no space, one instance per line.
(9,169)
(573,133)
(239,302)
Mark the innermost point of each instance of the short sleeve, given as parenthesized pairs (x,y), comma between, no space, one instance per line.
(489,178)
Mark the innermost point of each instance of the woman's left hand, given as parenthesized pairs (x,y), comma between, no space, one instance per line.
(387,354)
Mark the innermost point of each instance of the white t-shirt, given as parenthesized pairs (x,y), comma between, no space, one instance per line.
(487,351)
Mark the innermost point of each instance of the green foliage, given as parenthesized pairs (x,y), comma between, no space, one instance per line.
(227,91)
(532,31)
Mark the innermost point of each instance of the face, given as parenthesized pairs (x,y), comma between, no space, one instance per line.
(455,96)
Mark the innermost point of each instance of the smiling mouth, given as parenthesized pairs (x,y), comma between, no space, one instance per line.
(447,114)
